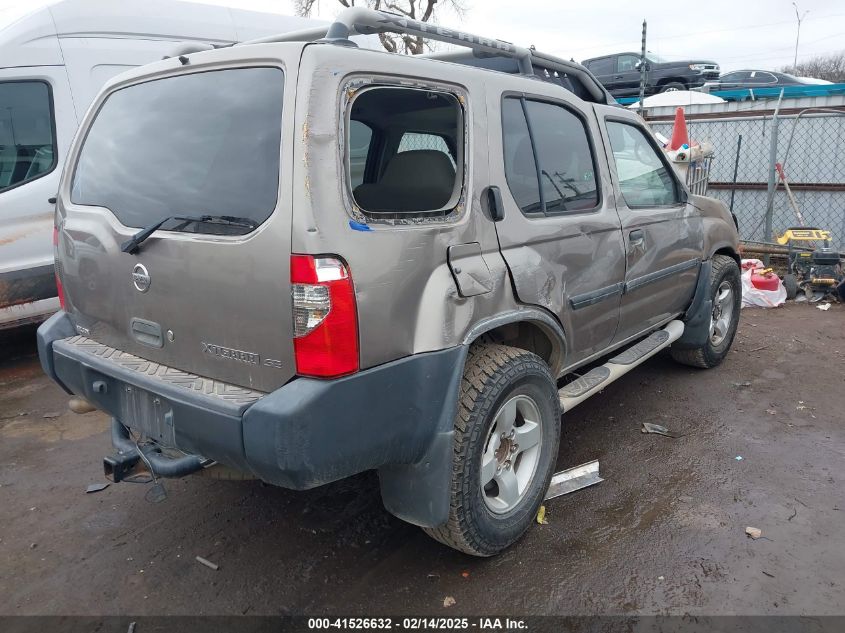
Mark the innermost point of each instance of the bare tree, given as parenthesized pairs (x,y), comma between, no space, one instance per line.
(422,10)
(830,67)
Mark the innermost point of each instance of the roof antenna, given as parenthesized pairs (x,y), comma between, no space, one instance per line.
(184,60)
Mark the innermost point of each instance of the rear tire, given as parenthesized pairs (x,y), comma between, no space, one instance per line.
(501,386)
(790,282)
(672,86)
(724,319)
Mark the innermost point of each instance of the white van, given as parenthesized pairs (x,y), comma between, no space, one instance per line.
(53,61)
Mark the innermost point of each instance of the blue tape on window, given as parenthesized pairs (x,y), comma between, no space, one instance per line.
(358,226)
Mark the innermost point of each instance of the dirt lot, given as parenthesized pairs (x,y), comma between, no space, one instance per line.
(665,533)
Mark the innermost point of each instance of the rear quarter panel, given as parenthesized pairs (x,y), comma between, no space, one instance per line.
(406,296)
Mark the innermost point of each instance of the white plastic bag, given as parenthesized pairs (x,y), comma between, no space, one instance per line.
(752,296)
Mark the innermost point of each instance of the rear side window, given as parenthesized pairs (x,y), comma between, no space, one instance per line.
(564,176)
(520,168)
(414,161)
(644,179)
(199,144)
(603,66)
(27,139)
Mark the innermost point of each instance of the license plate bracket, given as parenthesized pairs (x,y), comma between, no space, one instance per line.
(149,414)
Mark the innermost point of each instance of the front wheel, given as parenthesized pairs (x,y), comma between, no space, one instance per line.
(507,431)
(726,293)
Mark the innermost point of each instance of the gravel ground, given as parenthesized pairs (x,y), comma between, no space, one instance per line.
(663,534)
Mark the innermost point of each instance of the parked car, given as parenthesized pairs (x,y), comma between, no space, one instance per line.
(352,260)
(739,79)
(620,73)
(53,62)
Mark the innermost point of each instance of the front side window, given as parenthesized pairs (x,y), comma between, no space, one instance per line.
(758,77)
(27,143)
(415,169)
(563,178)
(198,144)
(627,63)
(644,179)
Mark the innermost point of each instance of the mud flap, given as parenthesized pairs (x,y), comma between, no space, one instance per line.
(396,418)
(419,493)
(697,317)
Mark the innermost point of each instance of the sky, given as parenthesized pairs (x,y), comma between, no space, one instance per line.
(735,33)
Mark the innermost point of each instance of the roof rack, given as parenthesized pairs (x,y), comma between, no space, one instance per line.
(528,62)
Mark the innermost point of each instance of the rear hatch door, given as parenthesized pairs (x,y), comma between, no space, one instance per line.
(207,297)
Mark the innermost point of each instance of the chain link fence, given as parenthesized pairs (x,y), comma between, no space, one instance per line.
(810,147)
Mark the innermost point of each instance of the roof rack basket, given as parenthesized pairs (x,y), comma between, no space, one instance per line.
(529,62)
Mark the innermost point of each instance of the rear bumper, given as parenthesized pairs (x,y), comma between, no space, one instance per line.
(397,418)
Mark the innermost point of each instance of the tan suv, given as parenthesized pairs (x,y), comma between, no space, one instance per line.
(300,260)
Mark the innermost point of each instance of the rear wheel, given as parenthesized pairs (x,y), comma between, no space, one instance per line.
(790,282)
(672,86)
(507,431)
(726,293)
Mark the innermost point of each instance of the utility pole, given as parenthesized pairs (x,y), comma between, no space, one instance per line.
(800,17)
(643,71)
(772,185)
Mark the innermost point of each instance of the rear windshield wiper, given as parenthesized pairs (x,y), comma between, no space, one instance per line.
(133,244)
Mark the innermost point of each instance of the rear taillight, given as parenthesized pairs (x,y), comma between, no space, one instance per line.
(325,321)
(59,287)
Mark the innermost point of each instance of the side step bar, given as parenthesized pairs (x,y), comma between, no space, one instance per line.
(598,378)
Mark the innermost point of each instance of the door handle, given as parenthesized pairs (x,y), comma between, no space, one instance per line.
(618,77)
(636,237)
(495,205)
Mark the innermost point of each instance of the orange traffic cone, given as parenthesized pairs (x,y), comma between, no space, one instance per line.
(679,131)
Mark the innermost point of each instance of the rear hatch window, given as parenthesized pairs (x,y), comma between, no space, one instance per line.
(199,144)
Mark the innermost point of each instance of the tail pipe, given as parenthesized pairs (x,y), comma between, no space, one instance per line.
(118,466)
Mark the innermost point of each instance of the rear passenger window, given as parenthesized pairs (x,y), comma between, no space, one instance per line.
(602,66)
(644,179)
(520,168)
(413,166)
(563,178)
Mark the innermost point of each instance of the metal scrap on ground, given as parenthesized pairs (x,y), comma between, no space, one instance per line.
(573,479)
(207,563)
(96,487)
(648,427)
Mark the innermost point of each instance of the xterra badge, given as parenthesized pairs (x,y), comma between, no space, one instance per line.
(232,354)
(141,278)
